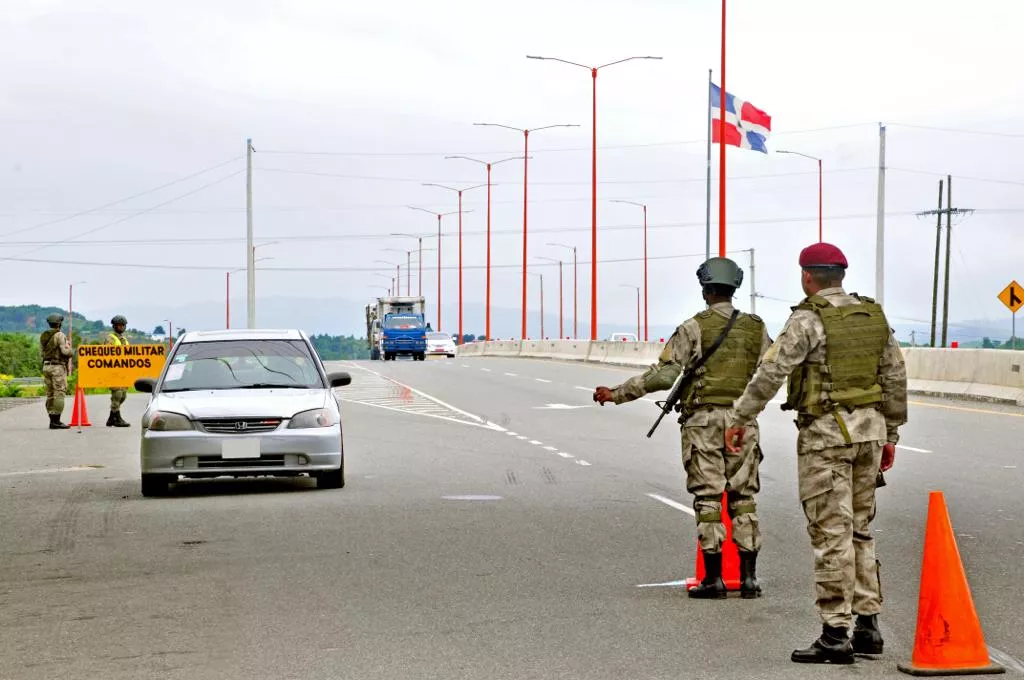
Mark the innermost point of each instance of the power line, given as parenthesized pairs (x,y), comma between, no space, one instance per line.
(514,231)
(122,200)
(932,173)
(129,217)
(645,145)
(962,131)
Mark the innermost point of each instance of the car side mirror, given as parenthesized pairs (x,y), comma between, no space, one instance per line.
(145,385)
(339,379)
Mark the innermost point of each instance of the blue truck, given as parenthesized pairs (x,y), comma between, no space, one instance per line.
(397,326)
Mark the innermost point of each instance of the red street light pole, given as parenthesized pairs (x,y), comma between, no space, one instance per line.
(593,181)
(408,268)
(459,192)
(646,304)
(575,284)
(526,158)
(487,294)
(561,323)
(813,158)
(626,285)
(438,216)
(541,304)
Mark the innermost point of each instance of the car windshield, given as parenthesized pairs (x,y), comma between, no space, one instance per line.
(438,336)
(241,364)
(403,322)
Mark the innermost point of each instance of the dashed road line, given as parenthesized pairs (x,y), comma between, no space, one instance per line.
(535,442)
(511,375)
(563,454)
(550,448)
(542,380)
(582,462)
(672,504)
(911,448)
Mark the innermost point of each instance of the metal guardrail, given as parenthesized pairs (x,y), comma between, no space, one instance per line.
(26,381)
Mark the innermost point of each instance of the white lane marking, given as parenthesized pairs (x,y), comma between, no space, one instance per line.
(486,370)
(560,407)
(470,497)
(465,365)
(777,401)
(511,375)
(582,462)
(585,389)
(522,437)
(672,504)
(542,380)
(535,442)
(667,584)
(496,427)
(77,468)
(511,434)
(550,448)
(911,448)
(563,454)
(1006,660)
(1009,467)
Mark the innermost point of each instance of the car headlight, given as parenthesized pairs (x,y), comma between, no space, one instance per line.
(318,417)
(165,421)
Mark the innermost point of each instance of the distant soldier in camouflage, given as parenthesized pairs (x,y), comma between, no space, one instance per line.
(848,385)
(708,396)
(117,394)
(56,352)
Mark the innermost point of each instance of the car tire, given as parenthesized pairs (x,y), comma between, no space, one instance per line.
(451,356)
(156,485)
(331,479)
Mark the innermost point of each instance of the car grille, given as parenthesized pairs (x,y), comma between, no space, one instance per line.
(276,460)
(240,425)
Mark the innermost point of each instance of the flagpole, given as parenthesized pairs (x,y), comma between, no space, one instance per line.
(707,235)
(721,148)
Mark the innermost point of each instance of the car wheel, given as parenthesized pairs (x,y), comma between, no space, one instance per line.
(155,485)
(331,479)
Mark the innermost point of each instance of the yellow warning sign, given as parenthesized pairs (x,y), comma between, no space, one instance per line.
(118,365)
(1013,296)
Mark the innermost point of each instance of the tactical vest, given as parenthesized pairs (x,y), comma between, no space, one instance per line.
(722,379)
(855,339)
(118,340)
(51,350)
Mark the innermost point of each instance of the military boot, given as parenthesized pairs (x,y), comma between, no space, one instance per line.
(55,423)
(116,420)
(867,638)
(111,419)
(832,647)
(712,587)
(749,586)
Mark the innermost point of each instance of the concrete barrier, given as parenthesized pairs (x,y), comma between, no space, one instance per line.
(995,375)
(982,374)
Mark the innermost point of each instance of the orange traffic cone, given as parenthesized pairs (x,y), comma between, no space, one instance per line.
(79,416)
(949,640)
(730,556)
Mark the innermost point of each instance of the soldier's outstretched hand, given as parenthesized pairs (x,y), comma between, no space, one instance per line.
(603,395)
(888,457)
(734,439)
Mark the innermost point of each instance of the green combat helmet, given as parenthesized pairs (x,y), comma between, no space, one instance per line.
(119,321)
(721,271)
(55,320)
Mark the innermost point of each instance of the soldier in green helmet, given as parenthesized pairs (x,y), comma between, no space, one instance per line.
(117,394)
(56,351)
(739,341)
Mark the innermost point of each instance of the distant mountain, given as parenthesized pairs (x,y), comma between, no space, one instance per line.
(32,319)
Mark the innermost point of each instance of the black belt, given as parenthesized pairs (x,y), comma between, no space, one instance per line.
(53,363)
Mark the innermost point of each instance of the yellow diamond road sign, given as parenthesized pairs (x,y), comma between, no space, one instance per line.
(1013,296)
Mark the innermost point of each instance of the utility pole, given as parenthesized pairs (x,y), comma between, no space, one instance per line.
(753,285)
(880,221)
(913,338)
(250,249)
(948,211)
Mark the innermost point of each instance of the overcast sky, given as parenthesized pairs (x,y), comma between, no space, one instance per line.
(351,105)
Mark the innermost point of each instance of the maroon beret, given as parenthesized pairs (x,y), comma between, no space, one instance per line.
(822,255)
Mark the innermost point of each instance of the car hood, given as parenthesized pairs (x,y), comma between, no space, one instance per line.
(269,403)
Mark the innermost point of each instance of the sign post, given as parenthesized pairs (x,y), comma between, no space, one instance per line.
(1013,297)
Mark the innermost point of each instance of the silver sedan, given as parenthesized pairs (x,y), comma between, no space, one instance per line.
(242,403)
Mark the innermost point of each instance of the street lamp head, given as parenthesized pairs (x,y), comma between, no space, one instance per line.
(619,200)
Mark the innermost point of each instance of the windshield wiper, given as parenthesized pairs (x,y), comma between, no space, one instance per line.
(268,386)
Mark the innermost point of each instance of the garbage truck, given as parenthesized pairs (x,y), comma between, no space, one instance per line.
(396,326)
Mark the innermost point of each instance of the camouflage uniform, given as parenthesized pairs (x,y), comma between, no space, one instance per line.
(56,352)
(709,471)
(838,457)
(117,394)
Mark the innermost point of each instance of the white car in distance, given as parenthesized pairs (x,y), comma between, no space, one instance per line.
(440,343)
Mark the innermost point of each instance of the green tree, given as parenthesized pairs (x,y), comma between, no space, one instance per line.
(159,330)
(19,355)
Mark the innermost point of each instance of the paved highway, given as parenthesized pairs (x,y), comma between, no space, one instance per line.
(495,524)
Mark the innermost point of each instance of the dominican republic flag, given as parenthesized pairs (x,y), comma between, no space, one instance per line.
(745,126)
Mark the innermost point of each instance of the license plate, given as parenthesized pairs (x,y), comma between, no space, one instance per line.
(239,448)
